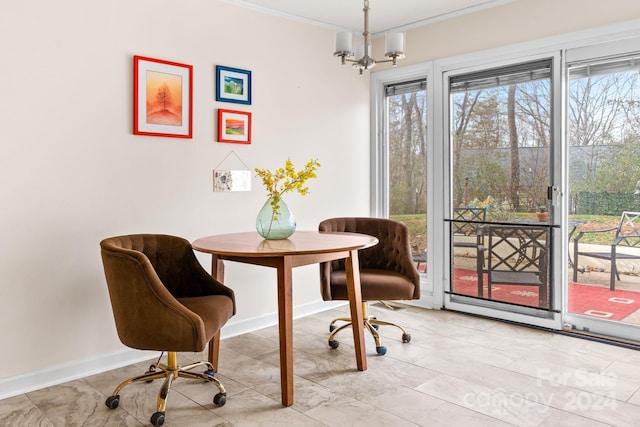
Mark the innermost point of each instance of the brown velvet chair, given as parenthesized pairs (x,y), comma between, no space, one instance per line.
(163,300)
(387,272)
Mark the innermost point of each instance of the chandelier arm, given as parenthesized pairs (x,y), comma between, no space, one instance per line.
(393,58)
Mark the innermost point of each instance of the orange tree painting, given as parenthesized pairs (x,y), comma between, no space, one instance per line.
(164,99)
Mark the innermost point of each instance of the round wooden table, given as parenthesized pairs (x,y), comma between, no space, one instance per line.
(302,248)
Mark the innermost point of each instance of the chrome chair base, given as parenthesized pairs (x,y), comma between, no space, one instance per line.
(371,324)
(170,372)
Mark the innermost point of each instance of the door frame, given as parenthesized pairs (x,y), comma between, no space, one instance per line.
(551,319)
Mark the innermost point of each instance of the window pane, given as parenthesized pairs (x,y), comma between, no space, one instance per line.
(500,141)
(604,182)
(406,123)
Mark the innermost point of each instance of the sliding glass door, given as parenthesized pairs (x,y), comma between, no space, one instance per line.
(502,201)
(603,96)
(533,189)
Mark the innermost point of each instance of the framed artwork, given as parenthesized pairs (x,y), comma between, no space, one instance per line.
(231,180)
(233,85)
(162,98)
(234,126)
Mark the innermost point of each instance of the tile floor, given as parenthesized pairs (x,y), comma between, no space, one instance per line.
(458,370)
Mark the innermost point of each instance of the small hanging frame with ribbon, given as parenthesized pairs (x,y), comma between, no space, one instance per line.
(228,179)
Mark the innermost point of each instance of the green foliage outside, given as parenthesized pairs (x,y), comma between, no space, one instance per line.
(416,223)
(496,210)
(605,203)
(620,170)
(407,152)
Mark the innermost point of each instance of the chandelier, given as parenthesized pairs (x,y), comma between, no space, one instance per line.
(361,57)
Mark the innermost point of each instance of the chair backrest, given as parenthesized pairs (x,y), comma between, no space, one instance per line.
(393,252)
(628,232)
(146,274)
(517,248)
(465,219)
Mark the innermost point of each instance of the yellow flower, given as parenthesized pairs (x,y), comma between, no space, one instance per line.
(286,179)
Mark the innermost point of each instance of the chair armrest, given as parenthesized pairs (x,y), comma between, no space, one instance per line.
(583,232)
(202,283)
(631,241)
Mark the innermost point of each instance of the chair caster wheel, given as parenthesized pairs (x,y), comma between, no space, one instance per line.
(382,350)
(112,402)
(210,372)
(334,344)
(157,419)
(406,337)
(220,399)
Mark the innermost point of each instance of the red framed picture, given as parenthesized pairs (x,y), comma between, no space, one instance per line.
(162,98)
(234,126)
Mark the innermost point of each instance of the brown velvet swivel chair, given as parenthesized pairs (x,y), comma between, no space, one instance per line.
(387,272)
(163,300)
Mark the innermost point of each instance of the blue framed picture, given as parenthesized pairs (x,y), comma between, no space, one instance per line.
(233,85)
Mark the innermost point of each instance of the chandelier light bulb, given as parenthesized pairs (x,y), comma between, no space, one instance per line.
(393,44)
(344,43)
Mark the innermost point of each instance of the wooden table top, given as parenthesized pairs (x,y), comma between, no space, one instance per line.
(300,243)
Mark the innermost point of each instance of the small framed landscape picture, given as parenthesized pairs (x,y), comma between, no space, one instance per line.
(162,98)
(233,85)
(234,126)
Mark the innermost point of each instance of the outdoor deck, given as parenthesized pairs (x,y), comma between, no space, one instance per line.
(595,274)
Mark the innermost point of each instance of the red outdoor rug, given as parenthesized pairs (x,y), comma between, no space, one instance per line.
(583,299)
(601,302)
(465,282)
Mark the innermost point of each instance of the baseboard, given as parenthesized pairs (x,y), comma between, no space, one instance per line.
(233,329)
(30,381)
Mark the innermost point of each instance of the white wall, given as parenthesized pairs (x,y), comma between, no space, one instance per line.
(72,172)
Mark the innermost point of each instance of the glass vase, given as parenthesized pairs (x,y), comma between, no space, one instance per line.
(275,225)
